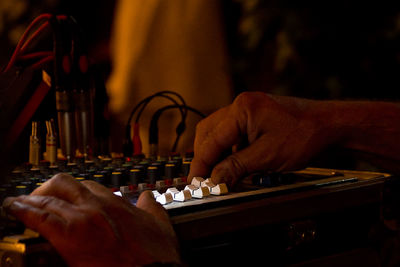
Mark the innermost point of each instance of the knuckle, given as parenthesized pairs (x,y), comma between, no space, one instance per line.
(59,177)
(247,105)
(45,201)
(248,99)
(200,125)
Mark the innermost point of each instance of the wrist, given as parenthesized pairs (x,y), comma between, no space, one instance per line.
(330,125)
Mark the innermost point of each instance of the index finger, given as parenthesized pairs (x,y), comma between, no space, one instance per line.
(43,220)
(65,187)
(215,135)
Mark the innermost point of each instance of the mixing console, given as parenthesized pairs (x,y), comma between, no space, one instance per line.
(205,195)
(201,209)
(167,179)
(137,174)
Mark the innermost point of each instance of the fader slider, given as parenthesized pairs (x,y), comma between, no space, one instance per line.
(196,181)
(177,195)
(198,192)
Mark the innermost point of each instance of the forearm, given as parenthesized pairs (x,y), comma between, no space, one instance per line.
(368,127)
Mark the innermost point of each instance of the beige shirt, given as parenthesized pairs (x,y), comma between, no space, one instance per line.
(168,45)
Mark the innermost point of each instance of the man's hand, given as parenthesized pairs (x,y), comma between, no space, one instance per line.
(280,133)
(90,226)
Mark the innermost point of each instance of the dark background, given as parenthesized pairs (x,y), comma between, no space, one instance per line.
(338,51)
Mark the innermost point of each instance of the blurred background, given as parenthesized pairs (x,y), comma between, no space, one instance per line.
(210,52)
(94,17)
(337,51)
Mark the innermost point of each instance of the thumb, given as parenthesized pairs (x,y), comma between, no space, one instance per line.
(229,171)
(241,163)
(147,203)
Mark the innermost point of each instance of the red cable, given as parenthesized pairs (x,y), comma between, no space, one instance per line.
(39,31)
(23,38)
(35,55)
(42,89)
(34,35)
(43,61)
(23,43)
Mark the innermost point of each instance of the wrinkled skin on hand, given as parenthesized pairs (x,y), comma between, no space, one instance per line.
(280,134)
(89,226)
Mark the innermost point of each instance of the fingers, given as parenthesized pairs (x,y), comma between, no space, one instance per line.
(65,187)
(214,136)
(241,163)
(42,214)
(229,170)
(238,123)
(54,205)
(147,203)
(272,151)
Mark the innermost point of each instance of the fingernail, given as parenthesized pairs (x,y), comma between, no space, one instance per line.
(15,206)
(7,202)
